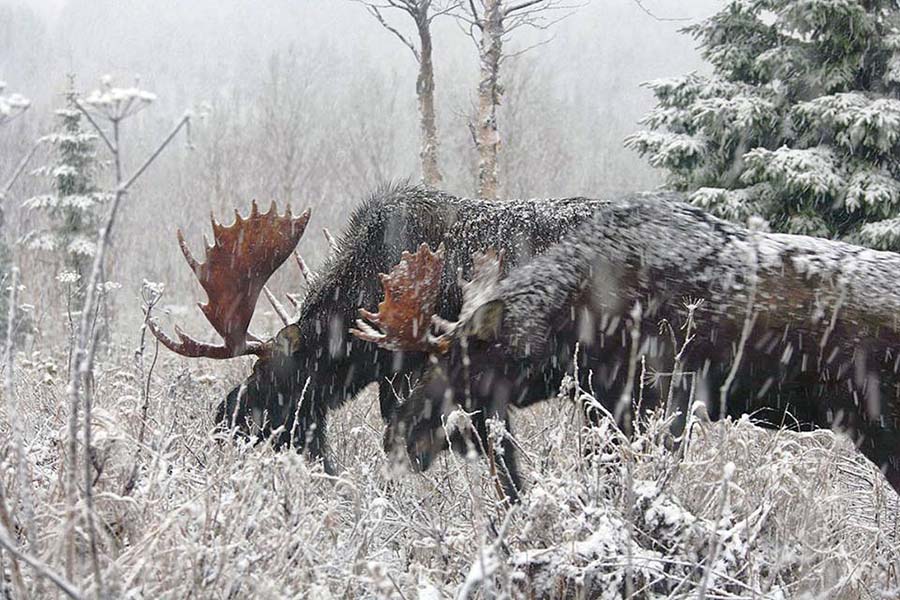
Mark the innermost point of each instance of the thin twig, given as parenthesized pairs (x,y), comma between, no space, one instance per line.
(184,122)
(112,148)
(20,168)
(656,17)
(83,362)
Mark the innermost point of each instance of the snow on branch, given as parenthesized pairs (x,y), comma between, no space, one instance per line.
(737,205)
(117,103)
(872,189)
(808,171)
(855,120)
(12,105)
(674,150)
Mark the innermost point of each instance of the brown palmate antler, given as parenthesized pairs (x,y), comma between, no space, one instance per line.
(238,264)
(411,290)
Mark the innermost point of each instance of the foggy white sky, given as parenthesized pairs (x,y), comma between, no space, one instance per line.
(201,46)
(569,104)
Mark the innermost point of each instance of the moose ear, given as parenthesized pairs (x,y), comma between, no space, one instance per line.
(287,341)
(485,322)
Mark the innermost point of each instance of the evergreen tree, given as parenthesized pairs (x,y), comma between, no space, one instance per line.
(799,123)
(72,206)
(11,106)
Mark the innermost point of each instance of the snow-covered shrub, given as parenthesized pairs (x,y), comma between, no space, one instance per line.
(739,511)
(799,122)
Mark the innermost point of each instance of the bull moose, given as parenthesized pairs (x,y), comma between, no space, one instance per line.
(787,329)
(313,365)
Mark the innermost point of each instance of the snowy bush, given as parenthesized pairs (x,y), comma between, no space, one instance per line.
(744,513)
(798,124)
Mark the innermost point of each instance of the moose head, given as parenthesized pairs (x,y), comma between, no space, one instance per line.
(236,267)
(406,321)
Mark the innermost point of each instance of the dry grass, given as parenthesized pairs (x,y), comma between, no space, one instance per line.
(797,516)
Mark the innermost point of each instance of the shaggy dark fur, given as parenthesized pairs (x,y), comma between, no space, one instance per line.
(318,347)
(819,318)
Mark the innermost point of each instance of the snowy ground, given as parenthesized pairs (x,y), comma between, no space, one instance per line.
(746,514)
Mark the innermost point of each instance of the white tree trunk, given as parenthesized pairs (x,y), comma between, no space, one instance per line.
(487,134)
(431,173)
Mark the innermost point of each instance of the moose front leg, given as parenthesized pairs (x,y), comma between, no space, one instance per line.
(317,446)
(501,454)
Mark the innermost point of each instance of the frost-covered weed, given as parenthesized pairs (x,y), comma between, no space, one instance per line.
(752,513)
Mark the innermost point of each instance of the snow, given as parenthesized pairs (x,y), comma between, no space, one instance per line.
(855,119)
(82,246)
(813,170)
(11,105)
(117,103)
(667,149)
(873,189)
(738,205)
(882,234)
(736,115)
(801,99)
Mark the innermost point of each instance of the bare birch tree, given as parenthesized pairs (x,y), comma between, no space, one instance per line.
(423,13)
(489,24)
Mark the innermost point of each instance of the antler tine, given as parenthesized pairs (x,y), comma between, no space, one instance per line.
(308,275)
(236,267)
(295,302)
(187,346)
(411,292)
(332,243)
(195,266)
(277,306)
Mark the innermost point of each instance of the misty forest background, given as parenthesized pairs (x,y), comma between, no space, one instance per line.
(313,102)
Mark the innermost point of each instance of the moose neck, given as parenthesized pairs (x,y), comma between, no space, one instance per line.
(338,365)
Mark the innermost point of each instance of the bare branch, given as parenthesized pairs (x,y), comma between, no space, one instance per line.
(100,132)
(184,122)
(522,6)
(518,53)
(658,18)
(373,10)
(17,434)
(449,8)
(19,169)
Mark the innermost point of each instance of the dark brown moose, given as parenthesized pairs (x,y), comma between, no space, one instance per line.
(793,331)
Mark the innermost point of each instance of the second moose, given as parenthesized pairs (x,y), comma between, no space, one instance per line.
(784,328)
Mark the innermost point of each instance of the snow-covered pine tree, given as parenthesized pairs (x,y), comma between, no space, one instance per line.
(72,205)
(799,122)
